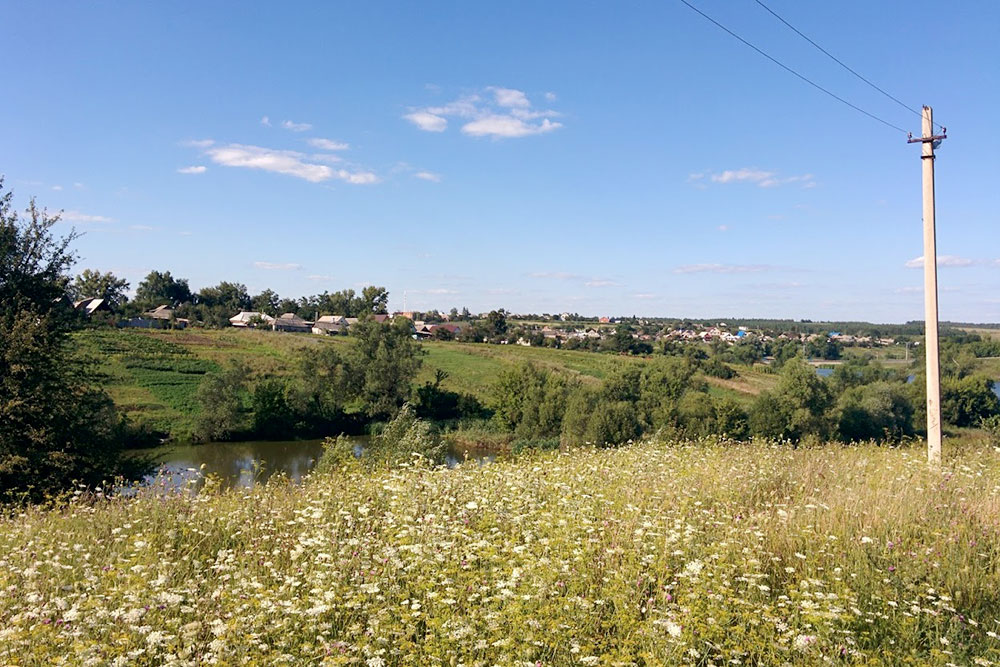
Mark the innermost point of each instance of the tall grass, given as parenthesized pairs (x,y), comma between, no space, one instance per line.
(657,553)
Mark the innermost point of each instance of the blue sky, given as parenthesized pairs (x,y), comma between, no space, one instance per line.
(605,158)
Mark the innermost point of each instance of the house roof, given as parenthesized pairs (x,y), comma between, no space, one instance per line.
(247,315)
(332,319)
(163,312)
(90,304)
(291,319)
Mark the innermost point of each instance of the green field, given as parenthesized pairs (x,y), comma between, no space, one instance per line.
(153,375)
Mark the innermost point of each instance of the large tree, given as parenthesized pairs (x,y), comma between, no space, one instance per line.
(105,286)
(158,289)
(56,427)
(386,359)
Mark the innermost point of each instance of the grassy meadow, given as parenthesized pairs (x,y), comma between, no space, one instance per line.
(153,375)
(652,554)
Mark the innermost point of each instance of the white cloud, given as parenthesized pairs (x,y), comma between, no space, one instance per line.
(327,144)
(290,163)
(600,282)
(550,97)
(141,228)
(500,113)
(723,228)
(722,268)
(318,277)
(428,176)
(76,216)
(555,275)
(759,177)
(265,121)
(79,186)
(439,290)
(507,127)
(296,127)
(427,121)
(357,178)
(643,296)
(57,188)
(194,169)
(508,97)
(198,143)
(271,266)
(942,260)
(908,290)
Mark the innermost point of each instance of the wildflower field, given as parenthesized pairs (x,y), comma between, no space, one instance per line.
(657,553)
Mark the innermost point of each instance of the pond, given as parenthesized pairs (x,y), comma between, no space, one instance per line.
(243,464)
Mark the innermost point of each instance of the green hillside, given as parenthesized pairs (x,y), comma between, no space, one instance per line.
(153,375)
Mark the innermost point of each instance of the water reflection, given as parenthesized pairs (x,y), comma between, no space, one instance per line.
(243,464)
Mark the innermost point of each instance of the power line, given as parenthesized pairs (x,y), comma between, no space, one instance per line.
(791,71)
(838,61)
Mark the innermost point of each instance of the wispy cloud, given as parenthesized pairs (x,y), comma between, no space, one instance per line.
(722,268)
(760,177)
(427,121)
(644,296)
(296,127)
(319,277)
(554,275)
(428,176)
(601,282)
(291,163)
(272,266)
(500,126)
(198,143)
(265,121)
(194,169)
(723,228)
(497,112)
(77,216)
(141,228)
(942,260)
(328,144)
(57,188)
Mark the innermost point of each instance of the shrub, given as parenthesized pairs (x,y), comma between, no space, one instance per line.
(530,401)
(882,410)
(967,401)
(223,397)
(403,437)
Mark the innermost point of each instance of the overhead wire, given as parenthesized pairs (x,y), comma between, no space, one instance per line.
(839,61)
(792,71)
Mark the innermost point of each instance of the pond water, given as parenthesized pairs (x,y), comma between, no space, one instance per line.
(243,464)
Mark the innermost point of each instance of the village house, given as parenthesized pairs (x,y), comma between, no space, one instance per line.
(161,317)
(251,319)
(291,322)
(330,325)
(91,305)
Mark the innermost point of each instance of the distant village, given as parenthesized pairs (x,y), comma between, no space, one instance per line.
(526,330)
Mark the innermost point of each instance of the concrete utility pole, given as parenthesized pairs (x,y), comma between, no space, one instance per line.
(928,141)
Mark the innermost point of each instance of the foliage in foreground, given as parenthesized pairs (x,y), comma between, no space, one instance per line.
(56,426)
(649,554)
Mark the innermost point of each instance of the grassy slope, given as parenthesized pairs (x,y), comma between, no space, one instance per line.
(153,375)
(654,554)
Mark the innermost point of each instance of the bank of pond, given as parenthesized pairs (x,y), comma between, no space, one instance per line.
(245,464)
